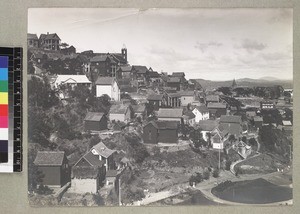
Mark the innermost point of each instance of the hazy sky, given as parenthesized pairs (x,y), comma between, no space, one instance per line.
(216,44)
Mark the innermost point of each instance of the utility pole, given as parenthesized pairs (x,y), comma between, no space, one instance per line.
(120,203)
(220,157)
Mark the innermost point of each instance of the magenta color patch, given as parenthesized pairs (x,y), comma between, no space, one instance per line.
(3,122)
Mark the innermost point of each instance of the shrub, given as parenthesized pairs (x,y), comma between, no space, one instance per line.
(44,190)
(228,164)
(216,173)
(206,174)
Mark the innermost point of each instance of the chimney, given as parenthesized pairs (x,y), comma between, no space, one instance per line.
(47,33)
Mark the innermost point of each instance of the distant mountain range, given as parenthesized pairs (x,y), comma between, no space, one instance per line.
(264,81)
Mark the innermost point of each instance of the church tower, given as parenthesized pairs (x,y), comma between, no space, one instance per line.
(124,52)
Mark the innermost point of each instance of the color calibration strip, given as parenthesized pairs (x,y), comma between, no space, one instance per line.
(4,109)
(11,109)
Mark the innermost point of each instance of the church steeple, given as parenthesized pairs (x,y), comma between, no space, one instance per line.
(124,52)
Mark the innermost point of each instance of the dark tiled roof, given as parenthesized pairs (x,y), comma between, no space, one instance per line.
(118,109)
(93,116)
(178,74)
(216,105)
(187,93)
(189,115)
(103,150)
(126,68)
(105,81)
(207,125)
(139,108)
(99,58)
(167,124)
(202,109)
(170,112)
(49,36)
(231,128)
(93,159)
(153,74)
(32,36)
(155,97)
(230,119)
(141,69)
(174,80)
(49,158)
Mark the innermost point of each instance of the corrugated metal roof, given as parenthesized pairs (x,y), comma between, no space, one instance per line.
(207,125)
(93,116)
(49,158)
(63,79)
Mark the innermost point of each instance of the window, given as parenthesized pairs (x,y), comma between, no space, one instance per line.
(150,135)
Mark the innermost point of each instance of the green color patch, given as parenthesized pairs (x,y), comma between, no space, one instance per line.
(3,86)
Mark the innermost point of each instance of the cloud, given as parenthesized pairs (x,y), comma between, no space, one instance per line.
(204,46)
(251,45)
(283,14)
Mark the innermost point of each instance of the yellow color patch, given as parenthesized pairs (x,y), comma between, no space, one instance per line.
(3,98)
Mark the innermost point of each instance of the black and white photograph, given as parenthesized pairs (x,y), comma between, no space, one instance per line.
(160,107)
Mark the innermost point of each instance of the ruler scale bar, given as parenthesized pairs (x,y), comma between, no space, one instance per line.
(14,105)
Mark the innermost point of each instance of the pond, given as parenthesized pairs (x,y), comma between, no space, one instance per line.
(258,191)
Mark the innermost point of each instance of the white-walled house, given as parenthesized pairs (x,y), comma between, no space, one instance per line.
(71,81)
(109,86)
(201,113)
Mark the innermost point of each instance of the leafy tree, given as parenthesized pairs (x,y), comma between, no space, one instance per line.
(206,175)
(197,138)
(30,67)
(149,108)
(225,90)
(40,93)
(216,173)
(138,150)
(252,142)
(232,138)
(244,139)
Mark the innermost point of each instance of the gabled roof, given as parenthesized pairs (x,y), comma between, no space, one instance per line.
(139,108)
(167,124)
(49,158)
(141,69)
(216,105)
(232,128)
(103,150)
(92,159)
(187,93)
(99,58)
(174,80)
(93,116)
(207,125)
(32,36)
(202,109)
(212,98)
(189,115)
(118,109)
(153,74)
(155,97)
(178,74)
(105,81)
(231,119)
(49,36)
(126,68)
(170,112)
(62,79)
(174,95)
(250,113)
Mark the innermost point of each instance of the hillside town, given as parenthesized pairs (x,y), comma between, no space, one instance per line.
(104,132)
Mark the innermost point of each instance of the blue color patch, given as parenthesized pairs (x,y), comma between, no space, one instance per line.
(3,73)
(3,61)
